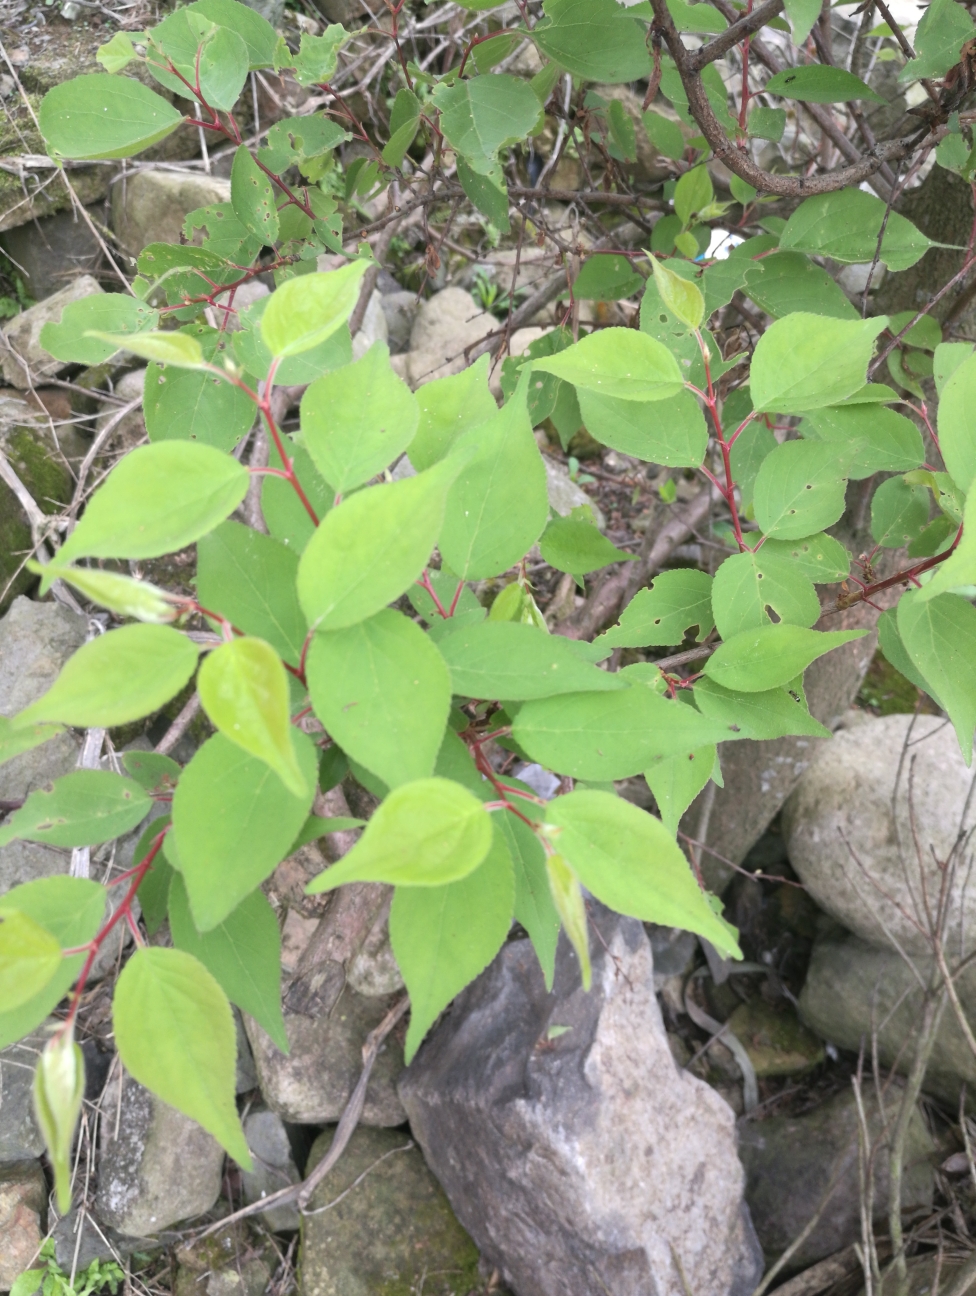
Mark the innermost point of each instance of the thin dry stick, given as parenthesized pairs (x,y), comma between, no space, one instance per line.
(179,726)
(94,449)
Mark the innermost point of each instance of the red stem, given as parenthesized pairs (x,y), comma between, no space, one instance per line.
(728,490)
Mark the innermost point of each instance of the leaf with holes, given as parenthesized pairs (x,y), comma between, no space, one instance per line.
(83,808)
(665,612)
(800,488)
(762,588)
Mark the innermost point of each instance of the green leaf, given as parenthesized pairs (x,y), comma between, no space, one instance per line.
(29,958)
(358,420)
(677,780)
(957,433)
(544,391)
(939,637)
(233,822)
(425,833)
(593,39)
(383,692)
(177,349)
(153,890)
(681,297)
(498,506)
(191,405)
(244,691)
(889,441)
(488,193)
(771,713)
(214,57)
(788,281)
(606,276)
(802,15)
(898,512)
(755,661)
(115,313)
(175,1035)
(120,594)
(766,123)
(939,38)
(567,896)
(960,568)
(623,136)
(534,907)
(482,115)
(690,18)
(17,738)
(256,32)
(116,54)
(253,197)
(158,499)
(800,488)
(602,736)
(438,949)
(819,558)
(889,641)
(224,235)
(819,84)
(510,662)
(692,193)
(117,677)
(749,587)
(666,135)
(99,116)
(404,121)
(306,311)
(296,141)
(670,432)
(295,370)
(617,362)
(29,1282)
(572,545)
(608,842)
(83,808)
(243,954)
(318,56)
(663,614)
(804,362)
(71,910)
(449,407)
(371,548)
(249,578)
(151,770)
(845,226)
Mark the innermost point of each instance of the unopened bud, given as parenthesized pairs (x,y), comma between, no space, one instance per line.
(59,1087)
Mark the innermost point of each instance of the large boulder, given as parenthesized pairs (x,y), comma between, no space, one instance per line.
(791,1162)
(156,1166)
(22,358)
(574,1150)
(871,821)
(53,251)
(855,991)
(378,1222)
(36,639)
(151,206)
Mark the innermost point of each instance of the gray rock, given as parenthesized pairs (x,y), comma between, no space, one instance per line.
(20,341)
(246,1075)
(156,1166)
(853,989)
(245,296)
(392,1232)
(36,639)
(53,251)
(151,206)
(23,1200)
(274,1167)
(373,328)
(857,855)
(565,495)
(373,970)
(312,1085)
(790,1162)
(273,10)
(400,309)
(582,1161)
(343,11)
(20,1139)
(223,1264)
(445,326)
